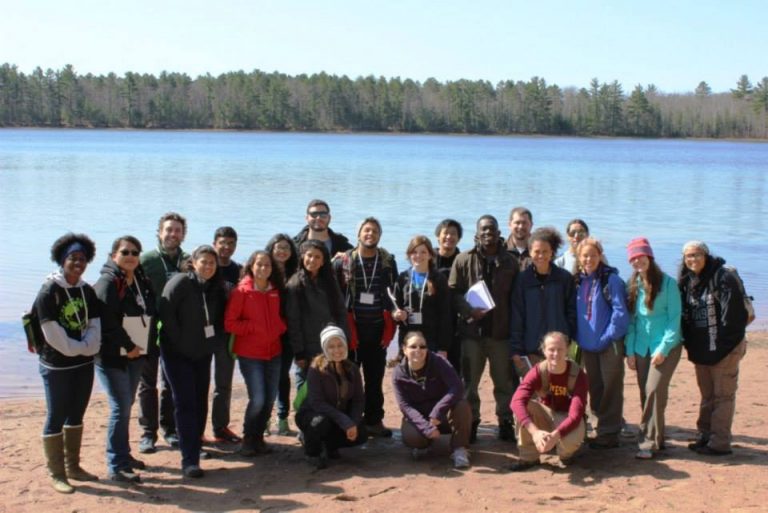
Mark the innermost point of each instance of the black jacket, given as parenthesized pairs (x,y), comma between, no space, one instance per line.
(118,300)
(339,243)
(436,322)
(183,316)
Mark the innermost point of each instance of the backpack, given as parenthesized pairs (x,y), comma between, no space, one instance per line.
(748,306)
(573,374)
(34,333)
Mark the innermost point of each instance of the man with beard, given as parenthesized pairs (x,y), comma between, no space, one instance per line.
(520,225)
(364,274)
(484,333)
(160,265)
(318,218)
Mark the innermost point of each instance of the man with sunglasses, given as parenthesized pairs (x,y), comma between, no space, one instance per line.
(318,218)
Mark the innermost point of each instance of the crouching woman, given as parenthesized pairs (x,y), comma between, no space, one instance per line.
(331,416)
(431,396)
(549,406)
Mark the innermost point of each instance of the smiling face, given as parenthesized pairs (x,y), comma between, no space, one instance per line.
(312,260)
(336,350)
(541,256)
(640,264)
(694,259)
(171,235)
(318,218)
(262,268)
(487,233)
(225,247)
(589,258)
(420,258)
(74,266)
(576,233)
(369,235)
(126,257)
(415,349)
(281,251)
(520,227)
(448,239)
(205,266)
(555,351)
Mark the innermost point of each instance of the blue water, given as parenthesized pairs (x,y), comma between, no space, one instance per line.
(108,183)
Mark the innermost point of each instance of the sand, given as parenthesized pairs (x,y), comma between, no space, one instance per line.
(381,476)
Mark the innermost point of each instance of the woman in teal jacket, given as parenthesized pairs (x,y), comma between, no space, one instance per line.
(653,343)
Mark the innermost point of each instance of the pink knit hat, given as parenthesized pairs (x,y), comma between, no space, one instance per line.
(639,247)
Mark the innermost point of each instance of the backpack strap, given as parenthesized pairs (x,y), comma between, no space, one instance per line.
(573,374)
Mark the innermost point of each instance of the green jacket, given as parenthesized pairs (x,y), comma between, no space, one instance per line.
(159,267)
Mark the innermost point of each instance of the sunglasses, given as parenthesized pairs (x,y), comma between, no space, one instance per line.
(416,347)
(315,215)
(132,252)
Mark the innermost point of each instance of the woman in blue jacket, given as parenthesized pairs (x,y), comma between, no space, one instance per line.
(653,340)
(602,320)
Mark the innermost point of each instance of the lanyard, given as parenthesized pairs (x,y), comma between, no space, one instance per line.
(373,273)
(205,307)
(77,314)
(176,265)
(423,288)
(139,297)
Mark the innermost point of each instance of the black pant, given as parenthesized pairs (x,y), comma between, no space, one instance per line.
(149,417)
(319,429)
(223,370)
(372,358)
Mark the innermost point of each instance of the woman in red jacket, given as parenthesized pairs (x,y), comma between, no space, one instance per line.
(254,316)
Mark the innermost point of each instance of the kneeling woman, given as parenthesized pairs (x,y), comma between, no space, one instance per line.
(192,315)
(431,396)
(549,406)
(331,416)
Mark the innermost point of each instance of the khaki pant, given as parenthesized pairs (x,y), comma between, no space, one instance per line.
(459,426)
(546,419)
(605,371)
(654,382)
(474,354)
(718,384)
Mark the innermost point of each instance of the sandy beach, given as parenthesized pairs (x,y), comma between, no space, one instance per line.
(381,476)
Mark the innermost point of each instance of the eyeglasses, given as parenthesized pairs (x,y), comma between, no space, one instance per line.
(132,252)
(321,214)
(577,233)
(416,347)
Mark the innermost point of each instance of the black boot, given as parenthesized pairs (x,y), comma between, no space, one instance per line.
(473,433)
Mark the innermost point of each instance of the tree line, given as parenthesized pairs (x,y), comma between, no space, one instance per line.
(323,102)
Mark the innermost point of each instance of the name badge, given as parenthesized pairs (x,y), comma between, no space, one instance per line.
(366,298)
(414,318)
(209,331)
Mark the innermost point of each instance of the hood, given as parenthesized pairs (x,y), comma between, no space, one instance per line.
(111,270)
(58,277)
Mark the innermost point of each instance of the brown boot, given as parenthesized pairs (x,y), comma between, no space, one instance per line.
(53,447)
(73,437)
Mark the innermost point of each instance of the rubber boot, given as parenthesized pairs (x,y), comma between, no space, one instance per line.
(53,447)
(73,437)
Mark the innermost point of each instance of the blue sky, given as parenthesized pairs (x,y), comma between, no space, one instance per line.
(673,44)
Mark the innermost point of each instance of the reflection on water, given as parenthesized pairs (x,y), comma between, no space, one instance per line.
(107,183)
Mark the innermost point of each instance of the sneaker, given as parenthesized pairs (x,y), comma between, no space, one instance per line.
(506,430)
(460,458)
(226,435)
(644,454)
(136,464)
(205,455)
(706,450)
(125,476)
(282,428)
(378,430)
(521,465)
(698,444)
(147,445)
(193,471)
(172,439)
(417,454)
(473,432)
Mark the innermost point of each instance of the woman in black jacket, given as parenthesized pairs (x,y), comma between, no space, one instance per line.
(127,305)
(192,316)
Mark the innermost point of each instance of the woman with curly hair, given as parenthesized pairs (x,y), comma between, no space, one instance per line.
(69,315)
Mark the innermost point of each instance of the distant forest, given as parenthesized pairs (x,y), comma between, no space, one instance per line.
(320,102)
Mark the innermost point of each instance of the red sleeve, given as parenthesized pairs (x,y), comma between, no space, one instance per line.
(577,406)
(524,393)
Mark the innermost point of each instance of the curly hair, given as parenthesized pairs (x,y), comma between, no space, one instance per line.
(547,234)
(60,246)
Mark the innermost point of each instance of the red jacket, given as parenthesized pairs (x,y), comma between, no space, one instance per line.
(255,320)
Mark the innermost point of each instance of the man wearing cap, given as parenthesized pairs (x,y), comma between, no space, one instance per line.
(318,218)
(364,274)
(520,225)
(160,265)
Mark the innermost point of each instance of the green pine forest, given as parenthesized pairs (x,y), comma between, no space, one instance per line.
(258,100)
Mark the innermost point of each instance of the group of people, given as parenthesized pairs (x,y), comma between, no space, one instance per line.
(329,310)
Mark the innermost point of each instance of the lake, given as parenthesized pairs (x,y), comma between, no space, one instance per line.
(108,183)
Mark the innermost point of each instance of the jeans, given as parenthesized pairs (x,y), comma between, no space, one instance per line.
(120,385)
(150,416)
(67,392)
(371,357)
(284,389)
(261,379)
(223,368)
(189,380)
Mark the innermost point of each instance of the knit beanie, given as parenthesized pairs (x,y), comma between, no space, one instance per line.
(639,247)
(696,244)
(330,332)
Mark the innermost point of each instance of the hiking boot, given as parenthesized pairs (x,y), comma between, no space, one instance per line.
(282,428)
(136,464)
(125,476)
(699,443)
(506,430)
(193,471)
(473,432)
(147,445)
(319,462)
(378,430)
(604,443)
(226,435)
(73,438)
(706,450)
(460,458)
(248,447)
(53,447)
